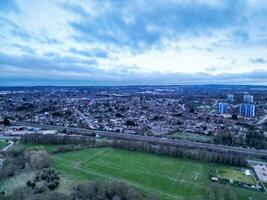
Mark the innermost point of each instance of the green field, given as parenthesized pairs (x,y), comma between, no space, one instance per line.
(234,173)
(3,144)
(168,178)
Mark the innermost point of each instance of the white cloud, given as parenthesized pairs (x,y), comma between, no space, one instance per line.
(154,47)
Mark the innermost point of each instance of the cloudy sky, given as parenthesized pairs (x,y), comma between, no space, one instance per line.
(124,42)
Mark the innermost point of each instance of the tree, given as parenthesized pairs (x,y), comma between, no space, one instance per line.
(234,117)
(130,123)
(179,115)
(105,190)
(6,122)
(192,110)
(38,159)
(119,115)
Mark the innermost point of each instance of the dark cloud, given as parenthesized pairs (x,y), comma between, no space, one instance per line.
(257,60)
(76,8)
(145,79)
(67,70)
(48,40)
(51,54)
(20,33)
(5,22)
(156,19)
(80,52)
(44,63)
(90,53)
(9,6)
(25,49)
(241,35)
(133,27)
(211,69)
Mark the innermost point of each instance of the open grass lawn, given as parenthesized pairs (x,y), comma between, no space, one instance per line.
(3,144)
(234,173)
(168,178)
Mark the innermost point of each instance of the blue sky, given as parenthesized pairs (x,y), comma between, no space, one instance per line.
(125,42)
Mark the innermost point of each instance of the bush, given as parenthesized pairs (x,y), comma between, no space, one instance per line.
(48,178)
(30,184)
(101,190)
(67,148)
(38,159)
(53,185)
(86,191)
(8,168)
(40,189)
(130,123)
(6,122)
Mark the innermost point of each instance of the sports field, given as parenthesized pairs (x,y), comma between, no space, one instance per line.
(168,178)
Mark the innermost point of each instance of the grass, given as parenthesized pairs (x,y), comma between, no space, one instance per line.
(234,173)
(3,144)
(168,178)
(10,183)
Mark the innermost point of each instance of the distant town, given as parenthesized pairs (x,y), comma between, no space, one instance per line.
(211,114)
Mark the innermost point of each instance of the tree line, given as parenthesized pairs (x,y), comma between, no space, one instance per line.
(195,153)
(253,139)
(256,140)
(95,190)
(57,139)
(181,152)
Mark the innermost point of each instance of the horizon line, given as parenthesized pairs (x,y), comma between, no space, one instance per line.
(129,85)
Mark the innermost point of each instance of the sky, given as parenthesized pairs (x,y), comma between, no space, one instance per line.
(126,42)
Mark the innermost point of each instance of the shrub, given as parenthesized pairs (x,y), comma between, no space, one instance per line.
(53,185)
(30,184)
(101,190)
(40,189)
(38,159)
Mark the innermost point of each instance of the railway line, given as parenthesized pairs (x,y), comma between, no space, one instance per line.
(150,139)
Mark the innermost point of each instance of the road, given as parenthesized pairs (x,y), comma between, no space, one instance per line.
(3,137)
(214,106)
(11,143)
(165,141)
(257,162)
(263,119)
(88,121)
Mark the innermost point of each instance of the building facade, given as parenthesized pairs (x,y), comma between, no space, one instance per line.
(248,98)
(223,107)
(247,110)
(230,97)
